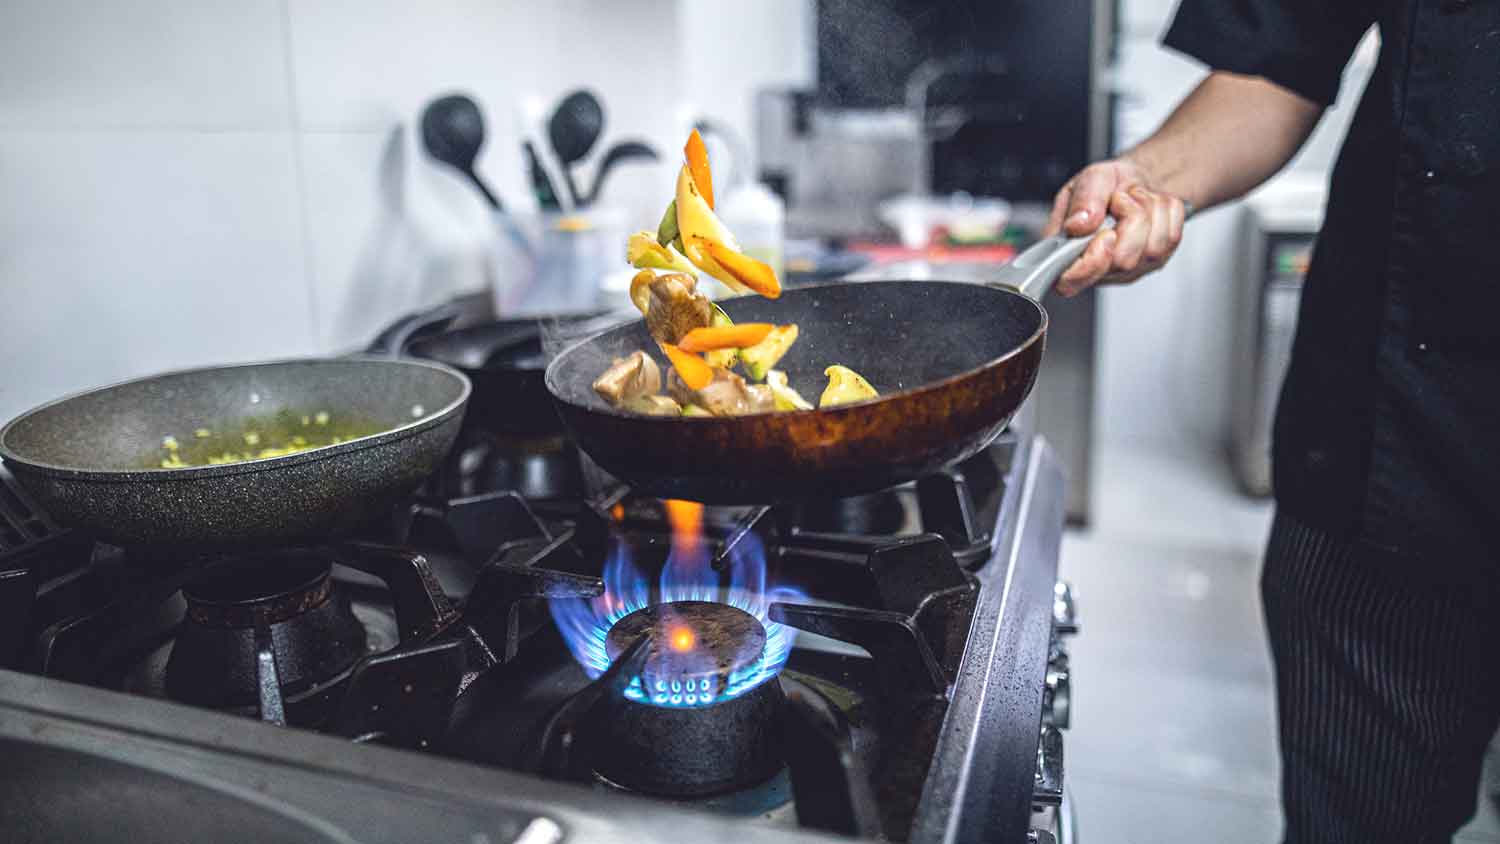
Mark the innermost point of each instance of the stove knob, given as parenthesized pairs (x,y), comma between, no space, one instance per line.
(1064,611)
(1047,785)
(1057,697)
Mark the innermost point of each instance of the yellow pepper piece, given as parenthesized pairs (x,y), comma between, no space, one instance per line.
(845,386)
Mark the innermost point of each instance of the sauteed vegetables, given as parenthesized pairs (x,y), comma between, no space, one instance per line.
(700,342)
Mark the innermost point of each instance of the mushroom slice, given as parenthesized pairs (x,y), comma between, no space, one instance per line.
(675,307)
(629,378)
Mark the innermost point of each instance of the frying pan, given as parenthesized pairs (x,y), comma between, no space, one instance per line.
(503,359)
(953,361)
(90,460)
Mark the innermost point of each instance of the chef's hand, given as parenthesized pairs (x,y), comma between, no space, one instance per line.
(1148,224)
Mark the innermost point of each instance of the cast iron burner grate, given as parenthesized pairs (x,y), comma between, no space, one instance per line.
(273,619)
(855,753)
(460,656)
(356,638)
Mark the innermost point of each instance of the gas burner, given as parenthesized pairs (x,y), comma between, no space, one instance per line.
(663,741)
(698,652)
(289,597)
(607,640)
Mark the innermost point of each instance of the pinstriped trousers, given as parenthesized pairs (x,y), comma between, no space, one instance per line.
(1386,689)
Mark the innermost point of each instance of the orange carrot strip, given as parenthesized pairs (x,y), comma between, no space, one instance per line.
(695,372)
(724,337)
(746,270)
(697,159)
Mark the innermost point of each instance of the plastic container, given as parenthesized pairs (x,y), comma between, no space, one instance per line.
(555,263)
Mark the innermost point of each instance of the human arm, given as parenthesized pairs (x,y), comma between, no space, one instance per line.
(1226,137)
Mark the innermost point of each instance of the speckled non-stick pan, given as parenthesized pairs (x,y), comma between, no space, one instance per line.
(952,361)
(92,460)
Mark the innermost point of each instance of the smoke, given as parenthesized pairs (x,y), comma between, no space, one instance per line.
(559,333)
(868,48)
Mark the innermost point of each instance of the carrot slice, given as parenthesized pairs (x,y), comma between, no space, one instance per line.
(746,270)
(697,159)
(695,372)
(725,337)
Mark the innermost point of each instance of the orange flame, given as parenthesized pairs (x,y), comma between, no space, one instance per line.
(617,512)
(682,639)
(686,518)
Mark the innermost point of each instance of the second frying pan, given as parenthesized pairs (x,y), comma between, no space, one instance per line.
(91,460)
(503,359)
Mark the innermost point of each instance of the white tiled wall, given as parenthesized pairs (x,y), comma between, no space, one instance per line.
(728,55)
(185,182)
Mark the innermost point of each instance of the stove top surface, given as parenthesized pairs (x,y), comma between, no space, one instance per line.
(556,665)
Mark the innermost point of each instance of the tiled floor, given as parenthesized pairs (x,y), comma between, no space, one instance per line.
(1173,736)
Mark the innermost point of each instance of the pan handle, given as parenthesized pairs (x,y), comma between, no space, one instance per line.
(1034,271)
(394,340)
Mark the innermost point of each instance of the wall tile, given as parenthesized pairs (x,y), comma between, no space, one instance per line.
(390,231)
(125,253)
(217,64)
(498,53)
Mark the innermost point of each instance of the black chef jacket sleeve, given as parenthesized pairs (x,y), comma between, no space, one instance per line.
(1301,45)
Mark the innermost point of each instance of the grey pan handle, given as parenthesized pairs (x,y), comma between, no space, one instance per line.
(1034,271)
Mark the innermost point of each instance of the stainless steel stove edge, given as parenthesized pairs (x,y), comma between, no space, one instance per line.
(324,788)
(975,790)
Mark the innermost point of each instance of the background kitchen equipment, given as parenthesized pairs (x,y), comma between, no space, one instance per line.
(85,458)
(541,184)
(504,360)
(453,133)
(1277,232)
(1033,110)
(833,165)
(569,256)
(757,216)
(963,218)
(573,129)
(551,263)
(1018,108)
(616,155)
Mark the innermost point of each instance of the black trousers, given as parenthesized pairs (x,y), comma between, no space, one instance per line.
(1386,690)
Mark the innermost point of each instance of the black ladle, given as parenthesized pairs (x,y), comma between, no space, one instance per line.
(623,151)
(573,130)
(453,132)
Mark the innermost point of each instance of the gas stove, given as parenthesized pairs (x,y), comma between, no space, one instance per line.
(524,653)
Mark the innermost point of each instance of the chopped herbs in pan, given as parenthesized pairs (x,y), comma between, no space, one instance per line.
(255,439)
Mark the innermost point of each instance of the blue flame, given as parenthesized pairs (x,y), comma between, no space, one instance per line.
(687,576)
